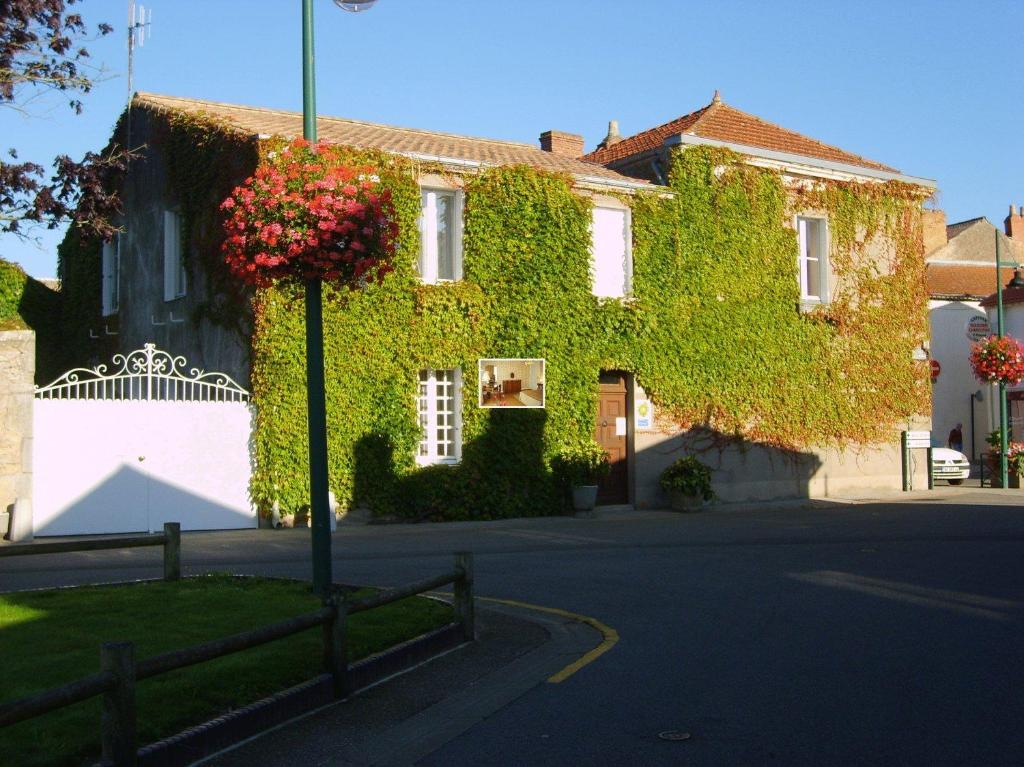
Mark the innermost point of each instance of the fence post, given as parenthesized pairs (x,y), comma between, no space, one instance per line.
(335,644)
(464,595)
(172,551)
(118,721)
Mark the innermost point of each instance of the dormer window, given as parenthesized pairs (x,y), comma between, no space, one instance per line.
(440,235)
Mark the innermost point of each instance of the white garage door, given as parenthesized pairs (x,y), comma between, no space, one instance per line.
(144,445)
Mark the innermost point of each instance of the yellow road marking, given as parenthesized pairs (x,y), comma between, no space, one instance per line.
(611,636)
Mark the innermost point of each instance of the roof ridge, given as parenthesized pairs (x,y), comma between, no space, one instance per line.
(285,112)
(974,220)
(866,162)
(708,110)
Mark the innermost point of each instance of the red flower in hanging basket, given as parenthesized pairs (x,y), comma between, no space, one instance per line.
(304,214)
(998,360)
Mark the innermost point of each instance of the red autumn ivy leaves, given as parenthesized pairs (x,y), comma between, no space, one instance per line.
(306,214)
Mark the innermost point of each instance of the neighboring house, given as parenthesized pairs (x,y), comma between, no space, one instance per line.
(961,271)
(1013,325)
(742,280)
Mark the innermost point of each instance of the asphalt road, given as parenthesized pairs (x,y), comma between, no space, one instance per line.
(877,633)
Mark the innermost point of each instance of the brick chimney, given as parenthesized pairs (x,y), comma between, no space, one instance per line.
(564,144)
(933,223)
(1014,224)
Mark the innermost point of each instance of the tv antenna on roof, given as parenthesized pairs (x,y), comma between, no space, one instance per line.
(139,25)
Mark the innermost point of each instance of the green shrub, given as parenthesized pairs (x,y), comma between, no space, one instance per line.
(688,476)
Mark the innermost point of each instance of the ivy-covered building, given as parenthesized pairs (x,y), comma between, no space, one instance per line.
(716,285)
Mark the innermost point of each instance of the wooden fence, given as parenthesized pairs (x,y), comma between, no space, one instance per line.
(119,671)
(170,539)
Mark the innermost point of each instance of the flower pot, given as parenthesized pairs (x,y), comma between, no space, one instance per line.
(680,501)
(584,497)
(1013,479)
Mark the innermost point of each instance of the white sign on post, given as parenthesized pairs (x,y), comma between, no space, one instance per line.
(919,439)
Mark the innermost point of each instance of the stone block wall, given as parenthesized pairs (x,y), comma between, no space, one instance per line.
(17,370)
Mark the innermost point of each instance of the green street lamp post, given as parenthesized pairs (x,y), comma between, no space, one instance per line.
(1004,437)
(319,505)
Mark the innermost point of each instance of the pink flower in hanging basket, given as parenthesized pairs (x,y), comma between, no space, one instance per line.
(998,360)
(304,214)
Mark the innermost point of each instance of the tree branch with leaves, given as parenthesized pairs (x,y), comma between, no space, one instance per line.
(42,50)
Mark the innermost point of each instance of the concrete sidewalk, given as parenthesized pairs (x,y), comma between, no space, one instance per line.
(405,718)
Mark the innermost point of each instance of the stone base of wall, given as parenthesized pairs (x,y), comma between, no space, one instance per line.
(759,473)
(17,371)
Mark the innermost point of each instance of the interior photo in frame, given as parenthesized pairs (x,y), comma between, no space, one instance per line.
(511,383)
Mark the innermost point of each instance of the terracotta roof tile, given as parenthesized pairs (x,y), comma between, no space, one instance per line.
(1010,296)
(721,122)
(257,121)
(963,280)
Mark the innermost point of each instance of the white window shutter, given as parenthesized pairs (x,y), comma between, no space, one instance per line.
(107,278)
(609,251)
(457,236)
(171,265)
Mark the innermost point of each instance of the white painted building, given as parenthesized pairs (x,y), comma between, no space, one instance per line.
(961,272)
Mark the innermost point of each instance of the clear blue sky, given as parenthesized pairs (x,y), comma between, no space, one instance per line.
(932,87)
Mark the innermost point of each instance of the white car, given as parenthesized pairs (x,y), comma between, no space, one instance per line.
(950,465)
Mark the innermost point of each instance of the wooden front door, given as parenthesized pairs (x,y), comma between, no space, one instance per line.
(610,433)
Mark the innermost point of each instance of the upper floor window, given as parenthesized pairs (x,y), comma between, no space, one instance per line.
(440,407)
(111,275)
(440,235)
(174,257)
(812,234)
(611,255)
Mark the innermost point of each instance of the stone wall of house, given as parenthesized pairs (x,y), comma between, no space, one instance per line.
(144,315)
(754,472)
(17,371)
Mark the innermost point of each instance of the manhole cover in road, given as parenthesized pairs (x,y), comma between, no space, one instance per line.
(674,735)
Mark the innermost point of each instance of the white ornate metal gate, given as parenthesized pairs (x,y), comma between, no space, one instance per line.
(145,444)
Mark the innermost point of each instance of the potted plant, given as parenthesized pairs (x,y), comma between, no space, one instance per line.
(688,484)
(581,467)
(1014,460)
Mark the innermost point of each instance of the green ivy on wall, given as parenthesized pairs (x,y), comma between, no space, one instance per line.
(712,331)
(26,303)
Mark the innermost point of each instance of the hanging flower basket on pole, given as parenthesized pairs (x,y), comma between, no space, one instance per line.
(305,215)
(998,360)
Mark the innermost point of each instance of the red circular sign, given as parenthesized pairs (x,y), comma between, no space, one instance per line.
(936,369)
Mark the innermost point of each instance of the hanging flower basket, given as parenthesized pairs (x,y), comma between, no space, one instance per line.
(304,214)
(998,360)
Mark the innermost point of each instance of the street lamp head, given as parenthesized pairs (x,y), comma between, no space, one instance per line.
(354,6)
(1017,281)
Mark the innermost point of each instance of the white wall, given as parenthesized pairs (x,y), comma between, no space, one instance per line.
(951,393)
(129,466)
(1013,325)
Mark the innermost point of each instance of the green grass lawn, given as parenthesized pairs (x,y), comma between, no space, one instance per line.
(51,637)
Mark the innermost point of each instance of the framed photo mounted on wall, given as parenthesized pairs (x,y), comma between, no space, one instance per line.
(511,383)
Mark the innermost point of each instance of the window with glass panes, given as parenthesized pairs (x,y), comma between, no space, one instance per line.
(440,235)
(813,238)
(439,402)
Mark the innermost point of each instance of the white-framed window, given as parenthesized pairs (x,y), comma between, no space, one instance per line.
(174,260)
(440,235)
(111,269)
(611,252)
(440,407)
(812,235)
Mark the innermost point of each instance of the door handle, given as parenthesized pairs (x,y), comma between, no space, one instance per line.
(604,423)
